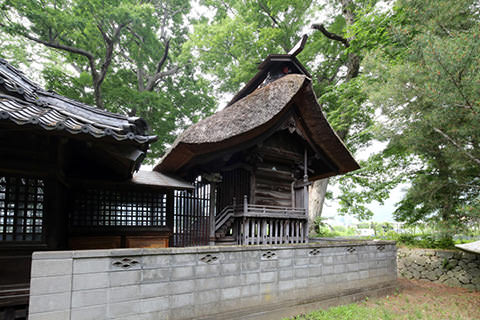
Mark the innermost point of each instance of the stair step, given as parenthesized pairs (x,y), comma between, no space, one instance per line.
(225,241)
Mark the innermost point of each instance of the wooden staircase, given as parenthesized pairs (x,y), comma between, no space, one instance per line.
(223,227)
(255,224)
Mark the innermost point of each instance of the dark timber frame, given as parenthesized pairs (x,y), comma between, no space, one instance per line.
(260,154)
(67,182)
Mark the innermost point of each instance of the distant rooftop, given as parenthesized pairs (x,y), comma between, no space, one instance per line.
(24,102)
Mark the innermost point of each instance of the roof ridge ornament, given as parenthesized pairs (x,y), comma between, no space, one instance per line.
(299,46)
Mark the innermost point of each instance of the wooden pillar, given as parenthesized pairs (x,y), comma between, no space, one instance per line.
(169,210)
(305,192)
(213,186)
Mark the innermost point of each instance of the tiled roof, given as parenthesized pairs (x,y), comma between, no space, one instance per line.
(25,102)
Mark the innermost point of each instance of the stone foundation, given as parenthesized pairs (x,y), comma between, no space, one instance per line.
(453,268)
(233,282)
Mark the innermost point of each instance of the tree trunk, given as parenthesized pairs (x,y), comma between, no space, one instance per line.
(317,192)
(97,92)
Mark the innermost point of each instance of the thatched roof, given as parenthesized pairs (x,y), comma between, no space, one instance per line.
(254,115)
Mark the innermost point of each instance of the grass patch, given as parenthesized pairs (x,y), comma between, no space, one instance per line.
(414,300)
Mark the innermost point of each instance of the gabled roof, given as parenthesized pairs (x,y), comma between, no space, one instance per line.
(24,102)
(255,115)
(272,62)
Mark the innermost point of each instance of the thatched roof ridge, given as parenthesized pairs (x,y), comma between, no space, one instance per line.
(246,114)
(254,116)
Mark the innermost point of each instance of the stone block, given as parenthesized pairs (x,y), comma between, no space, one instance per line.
(125,293)
(301,261)
(154,304)
(251,278)
(231,281)
(268,277)
(301,283)
(268,265)
(301,272)
(185,286)
(184,259)
(230,268)
(316,260)
(186,312)
(352,276)
(339,268)
(90,281)
(206,296)
(286,285)
(285,263)
(90,313)
(340,259)
(250,290)
(156,275)
(230,293)
(49,302)
(362,265)
(314,271)
(207,270)
(56,315)
(352,258)
(46,285)
(285,274)
(125,308)
(181,273)
(230,257)
(91,265)
(249,266)
(327,270)
(87,298)
(327,260)
(51,267)
(157,261)
(125,278)
(150,290)
(285,253)
(352,267)
(181,300)
(208,283)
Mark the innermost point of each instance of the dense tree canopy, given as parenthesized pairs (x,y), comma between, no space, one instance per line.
(405,72)
(123,55)
(430,94)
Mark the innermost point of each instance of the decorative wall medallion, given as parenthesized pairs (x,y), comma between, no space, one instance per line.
(351,249)
(381,247)
(269,255)
(208,259)
(314,252)
(125,263)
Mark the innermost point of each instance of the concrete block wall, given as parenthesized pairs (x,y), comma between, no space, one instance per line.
(202,282)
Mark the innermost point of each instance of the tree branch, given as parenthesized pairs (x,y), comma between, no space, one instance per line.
(152,81)
(59,46)
(110,44)
(330,35)
(443,134)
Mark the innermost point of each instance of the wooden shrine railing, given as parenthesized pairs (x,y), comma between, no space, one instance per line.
(257,224)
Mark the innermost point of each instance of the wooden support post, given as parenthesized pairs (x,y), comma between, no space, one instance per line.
(305,191)
(212,213)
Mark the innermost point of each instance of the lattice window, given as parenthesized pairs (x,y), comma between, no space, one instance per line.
(21,208)
(118,208)
(192,216)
